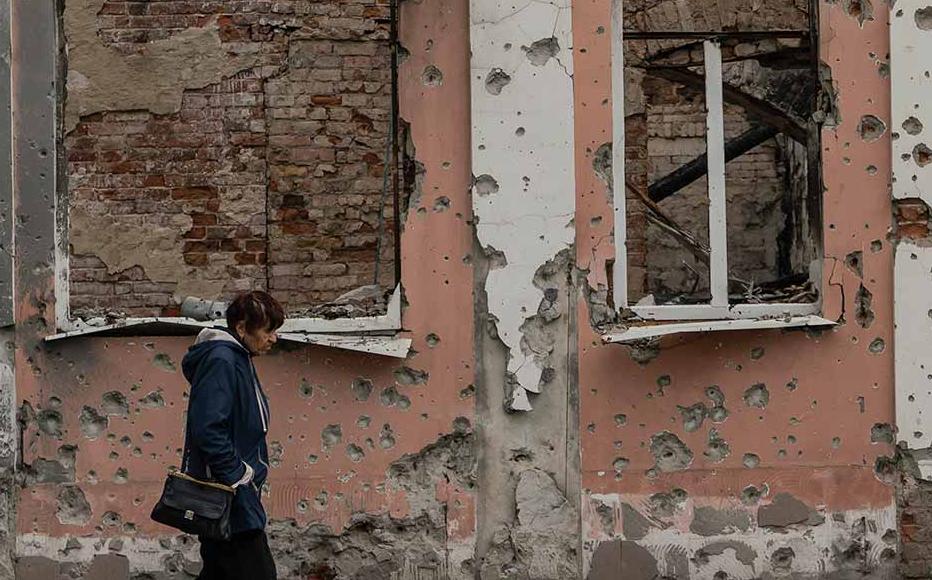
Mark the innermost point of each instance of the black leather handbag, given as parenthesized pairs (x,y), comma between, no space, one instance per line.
(195,507)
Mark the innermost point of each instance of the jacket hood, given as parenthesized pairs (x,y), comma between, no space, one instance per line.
(207,340)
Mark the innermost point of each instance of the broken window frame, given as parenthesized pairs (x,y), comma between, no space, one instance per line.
(720,308)
(371,334)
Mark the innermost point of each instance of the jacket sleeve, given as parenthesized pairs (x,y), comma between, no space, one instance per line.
(209,414)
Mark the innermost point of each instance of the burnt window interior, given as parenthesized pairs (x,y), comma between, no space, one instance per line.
(769,69)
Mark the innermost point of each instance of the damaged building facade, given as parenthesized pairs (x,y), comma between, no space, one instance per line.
(576,289)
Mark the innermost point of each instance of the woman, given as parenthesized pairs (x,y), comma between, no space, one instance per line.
(228,419)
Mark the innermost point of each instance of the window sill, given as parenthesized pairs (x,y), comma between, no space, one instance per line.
(636,333)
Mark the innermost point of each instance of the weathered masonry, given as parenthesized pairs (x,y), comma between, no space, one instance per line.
(577,288)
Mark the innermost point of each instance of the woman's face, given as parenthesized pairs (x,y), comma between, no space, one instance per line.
(258,342)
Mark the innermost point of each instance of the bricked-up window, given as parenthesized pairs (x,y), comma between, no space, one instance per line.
(715,165)
(216,147)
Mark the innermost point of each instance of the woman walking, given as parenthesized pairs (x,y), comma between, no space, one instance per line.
(225,437)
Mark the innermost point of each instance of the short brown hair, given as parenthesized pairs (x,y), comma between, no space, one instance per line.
(257,309)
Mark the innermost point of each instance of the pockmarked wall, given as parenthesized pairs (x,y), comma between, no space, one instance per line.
(373,458)
(757,453)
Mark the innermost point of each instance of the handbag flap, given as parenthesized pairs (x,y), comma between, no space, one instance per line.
(186,495)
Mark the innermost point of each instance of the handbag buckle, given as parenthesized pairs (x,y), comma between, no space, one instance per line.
(188,515)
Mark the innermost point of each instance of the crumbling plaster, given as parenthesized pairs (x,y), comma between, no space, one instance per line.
(522,157)
(101,78)
(639,433)
(910,84)
(364,449)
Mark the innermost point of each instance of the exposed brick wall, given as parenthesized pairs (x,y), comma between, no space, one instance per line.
(914,507)
(279,170)
(676,135)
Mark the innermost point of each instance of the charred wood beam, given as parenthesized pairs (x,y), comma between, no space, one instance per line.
(757,108)
(695,169)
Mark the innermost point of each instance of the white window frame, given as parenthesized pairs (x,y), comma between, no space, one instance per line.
(371,334)
(719,308)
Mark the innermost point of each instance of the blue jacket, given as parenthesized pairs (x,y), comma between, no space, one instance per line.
(228,418)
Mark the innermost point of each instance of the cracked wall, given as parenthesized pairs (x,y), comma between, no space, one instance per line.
(522,166)
(251,143)
(690,444)
(367,451)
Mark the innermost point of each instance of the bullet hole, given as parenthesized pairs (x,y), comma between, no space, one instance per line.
(321,500)
(305,389)
(791,440)
(114,456)
(484,185)
(889,537)
(718,414)
(432,340)
(147,436)
(620,464)
(757,396)
(854,261)
(883,433)
(92,423)
(461,425)
(751,495)
(861,405)
(876,246)
(432,76)
(877,346)
(361,388)
(693,416)
(121,476)
(871,169)
(164,362)
(54,402)
(153,400)
(665,505)
(923,17)
(621,420)
(126,441)
(386,437)
(602,163)
(912,126)
(496,80)
(331,435)
(836,442)
(590,427)
(114,403)
(363,421)
(467,392)
(718,449)
(409,376)
(864,314)
(442,204)
(782,560)
(520,132)
(871,128)
(355,453)
(111,520)
(50,422)
(73,508)
(669,452)
(922,155)
(276,453)
(390,397)
(751,460)
(541,51)
(757,353)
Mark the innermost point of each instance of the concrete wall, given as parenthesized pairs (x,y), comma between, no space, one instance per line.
(511,443)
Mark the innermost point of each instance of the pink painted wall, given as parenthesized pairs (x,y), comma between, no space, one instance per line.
(833,369)
(438,287)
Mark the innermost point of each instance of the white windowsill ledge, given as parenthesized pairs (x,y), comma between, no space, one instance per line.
(635,333)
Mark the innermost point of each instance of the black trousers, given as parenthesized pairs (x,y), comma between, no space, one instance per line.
(245,556)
